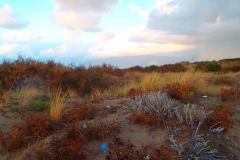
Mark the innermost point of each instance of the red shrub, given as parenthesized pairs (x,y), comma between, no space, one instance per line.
(221,116)
(66,147)
(36,127)
(127,151)
(13,140)
(142,119)
(227,94)
(165,153)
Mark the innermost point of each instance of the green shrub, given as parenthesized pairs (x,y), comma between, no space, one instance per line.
(209,66)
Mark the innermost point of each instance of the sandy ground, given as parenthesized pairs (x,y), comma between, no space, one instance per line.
(234,134)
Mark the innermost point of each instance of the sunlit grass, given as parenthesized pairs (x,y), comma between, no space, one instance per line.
(57,102)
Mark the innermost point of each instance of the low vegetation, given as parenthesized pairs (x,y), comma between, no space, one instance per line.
(176,111)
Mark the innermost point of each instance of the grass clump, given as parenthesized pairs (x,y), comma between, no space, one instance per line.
(57,102)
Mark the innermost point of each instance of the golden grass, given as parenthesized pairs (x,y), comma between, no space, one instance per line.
(144,82)
(57,102)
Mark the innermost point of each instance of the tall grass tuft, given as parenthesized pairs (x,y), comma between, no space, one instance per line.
(5,101)
(57,102)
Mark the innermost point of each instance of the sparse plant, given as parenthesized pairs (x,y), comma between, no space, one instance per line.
(26,95)
(79,112)
(97,96)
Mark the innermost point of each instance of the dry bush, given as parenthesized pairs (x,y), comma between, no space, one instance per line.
(101,129)
(165,153)
(127,151)
(230,93)
(57,102)
(221,117)
(79,113)
(182,92)
(226,94)
(70,145)
(13,140)
(65,147)
(36,127)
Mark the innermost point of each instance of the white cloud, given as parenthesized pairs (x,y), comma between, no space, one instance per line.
(139,42)
(81,14)
(8,18)
(21,36)
(8,48)
(167,6)
(139,11)
(59,50)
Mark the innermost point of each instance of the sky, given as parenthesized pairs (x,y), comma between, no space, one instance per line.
(123,33)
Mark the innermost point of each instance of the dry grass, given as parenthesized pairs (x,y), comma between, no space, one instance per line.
(157,81)
(57,102)
(5,100)
(201,82)
(26,94)
(97,96)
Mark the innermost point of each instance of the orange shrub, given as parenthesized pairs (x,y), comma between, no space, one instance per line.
(182,92)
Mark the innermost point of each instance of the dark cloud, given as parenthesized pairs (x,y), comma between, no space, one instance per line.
(213,26)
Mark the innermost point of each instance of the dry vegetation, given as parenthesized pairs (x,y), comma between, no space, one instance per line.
(57,112)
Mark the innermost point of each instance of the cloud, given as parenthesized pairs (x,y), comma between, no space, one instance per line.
(8,18)
(167,6)
(139,11)
(139,42)
(21,36)
(82,14)
(212,26)
(8,48)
